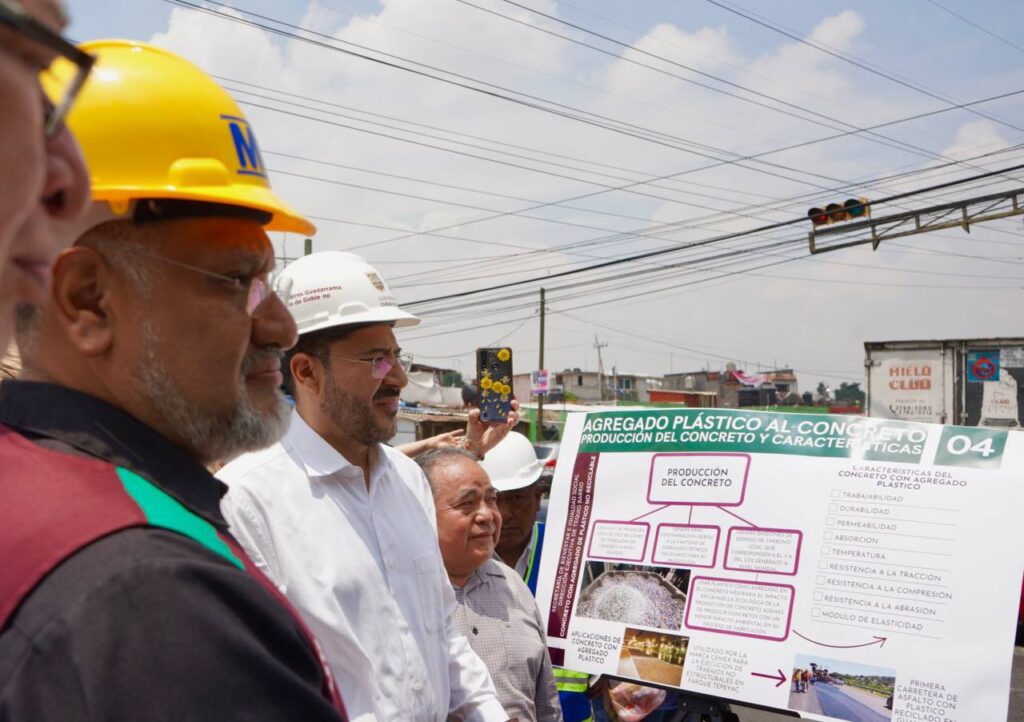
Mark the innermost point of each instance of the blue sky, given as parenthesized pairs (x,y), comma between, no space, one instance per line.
(811,313)
(911,37)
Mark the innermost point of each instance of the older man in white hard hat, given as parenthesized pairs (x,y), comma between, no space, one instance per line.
(343,523)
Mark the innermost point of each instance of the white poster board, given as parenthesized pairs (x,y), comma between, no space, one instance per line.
(843,567)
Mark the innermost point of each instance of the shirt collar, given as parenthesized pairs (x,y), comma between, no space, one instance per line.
(318,457)
(483,575)
(101,430)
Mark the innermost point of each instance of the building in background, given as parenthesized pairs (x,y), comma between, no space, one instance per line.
(591,387)
(735,388)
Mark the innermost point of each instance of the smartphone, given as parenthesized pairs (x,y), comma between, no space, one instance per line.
(494,379)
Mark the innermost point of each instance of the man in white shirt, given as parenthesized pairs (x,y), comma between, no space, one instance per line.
(344,524)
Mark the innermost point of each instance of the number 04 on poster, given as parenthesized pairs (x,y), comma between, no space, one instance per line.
(842,567)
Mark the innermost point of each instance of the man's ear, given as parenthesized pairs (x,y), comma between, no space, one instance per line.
(81,296)
(307,372)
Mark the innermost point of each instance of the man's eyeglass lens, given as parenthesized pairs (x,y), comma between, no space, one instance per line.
(260,290)
(61,84)
(63,80)
(381,365)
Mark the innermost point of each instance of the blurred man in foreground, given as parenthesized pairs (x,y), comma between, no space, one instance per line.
(495,609)
(42,174)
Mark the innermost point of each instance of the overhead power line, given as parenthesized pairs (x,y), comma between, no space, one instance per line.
(562,201)
(717,239)
(975,25)
(775,27)
(830,122)
(656,231)
(489,89)
(464,81)
(269,29)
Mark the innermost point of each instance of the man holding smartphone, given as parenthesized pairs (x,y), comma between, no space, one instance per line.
(344,524)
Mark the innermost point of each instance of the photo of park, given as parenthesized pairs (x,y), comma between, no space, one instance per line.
(840,689)
(652,656)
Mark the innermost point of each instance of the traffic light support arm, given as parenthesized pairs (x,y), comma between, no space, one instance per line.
(959,214)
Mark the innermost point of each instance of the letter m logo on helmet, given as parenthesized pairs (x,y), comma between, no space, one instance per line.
(250,162)
(154,126)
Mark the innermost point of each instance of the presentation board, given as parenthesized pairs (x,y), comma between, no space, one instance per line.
(843,567)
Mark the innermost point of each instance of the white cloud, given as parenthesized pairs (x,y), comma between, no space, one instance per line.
(816,326)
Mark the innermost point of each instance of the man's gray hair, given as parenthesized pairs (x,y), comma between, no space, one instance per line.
(108,239)
(429,461)
(115,240)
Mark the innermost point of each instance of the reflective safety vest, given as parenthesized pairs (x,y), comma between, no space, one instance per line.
(571,686)
(533,561)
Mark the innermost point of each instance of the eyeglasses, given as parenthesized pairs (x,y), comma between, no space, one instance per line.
(380,366)
(258,288)
(59,88)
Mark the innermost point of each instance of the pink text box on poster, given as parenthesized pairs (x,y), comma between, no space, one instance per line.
(759,610)
(766,551)
(698,479)
(619,541)
(686,545)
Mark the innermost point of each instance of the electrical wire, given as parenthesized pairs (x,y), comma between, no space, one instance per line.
(975,25)
(736,10)
(663,251)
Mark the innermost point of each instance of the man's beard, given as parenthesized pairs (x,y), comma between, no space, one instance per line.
(210,437)
(354,416)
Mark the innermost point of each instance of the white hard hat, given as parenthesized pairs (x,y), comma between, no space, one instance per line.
(512,464)
(331,288)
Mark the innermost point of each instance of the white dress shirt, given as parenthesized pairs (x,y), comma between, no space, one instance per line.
(363,567)
(524,559)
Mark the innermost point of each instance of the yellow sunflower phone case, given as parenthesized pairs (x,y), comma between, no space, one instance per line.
(494,374)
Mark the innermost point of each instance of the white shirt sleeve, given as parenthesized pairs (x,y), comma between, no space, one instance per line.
(473,697)
(248,527)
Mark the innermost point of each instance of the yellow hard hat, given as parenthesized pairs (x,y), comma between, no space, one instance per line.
(154,126)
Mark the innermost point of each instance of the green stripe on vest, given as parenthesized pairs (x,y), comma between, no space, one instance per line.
(163,510)
(568,680)
(571,686)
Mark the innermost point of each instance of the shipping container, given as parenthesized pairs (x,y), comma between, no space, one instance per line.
(969,382)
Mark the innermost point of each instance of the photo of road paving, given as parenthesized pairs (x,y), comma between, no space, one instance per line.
(841,690)
(842,702)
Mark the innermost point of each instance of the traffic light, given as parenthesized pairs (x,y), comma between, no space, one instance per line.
(853,209)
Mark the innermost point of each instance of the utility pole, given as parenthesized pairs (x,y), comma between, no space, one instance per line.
(600,366)
(285,258)
(539,433)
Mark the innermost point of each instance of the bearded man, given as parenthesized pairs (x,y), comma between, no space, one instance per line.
(156,352)
(344,524)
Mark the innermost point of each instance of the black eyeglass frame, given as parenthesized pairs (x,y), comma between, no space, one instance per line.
(13,15)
